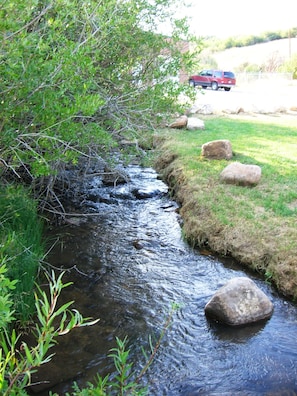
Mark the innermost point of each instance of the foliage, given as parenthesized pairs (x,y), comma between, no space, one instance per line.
(125,380)
(244,41)
(290,66)
(216,44)
(76,75)
(122,383)
(21,246)
(248,68)
(18,360)
(6,303)
(206,61)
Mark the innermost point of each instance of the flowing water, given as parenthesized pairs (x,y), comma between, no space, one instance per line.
(129,263)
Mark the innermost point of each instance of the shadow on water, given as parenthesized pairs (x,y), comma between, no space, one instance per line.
(129,263)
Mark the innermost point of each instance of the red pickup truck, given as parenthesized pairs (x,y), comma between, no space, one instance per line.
(214,79)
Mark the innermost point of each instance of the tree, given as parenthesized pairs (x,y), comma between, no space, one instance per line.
(77,74)
(290,66)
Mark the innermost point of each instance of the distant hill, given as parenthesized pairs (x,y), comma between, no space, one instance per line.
(258,54)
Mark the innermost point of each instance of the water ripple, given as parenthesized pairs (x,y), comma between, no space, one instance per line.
(136,265)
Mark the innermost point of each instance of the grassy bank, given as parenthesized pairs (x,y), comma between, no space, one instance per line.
(256,226)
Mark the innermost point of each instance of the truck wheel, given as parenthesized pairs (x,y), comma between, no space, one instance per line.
(214,86)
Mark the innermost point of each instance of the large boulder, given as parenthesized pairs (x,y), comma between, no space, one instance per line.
(241,174)
(217,149)
(239,302)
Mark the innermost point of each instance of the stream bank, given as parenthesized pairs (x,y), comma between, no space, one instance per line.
(250,246)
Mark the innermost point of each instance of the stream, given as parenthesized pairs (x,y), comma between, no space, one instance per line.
(129,263)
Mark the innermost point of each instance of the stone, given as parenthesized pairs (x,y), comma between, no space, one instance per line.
(241,174)
(239,302)
(144,193)
(205,109)
(235,110)
(217,149)
(179,123)
(195,123)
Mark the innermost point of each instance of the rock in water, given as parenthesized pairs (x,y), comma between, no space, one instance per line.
(239,302)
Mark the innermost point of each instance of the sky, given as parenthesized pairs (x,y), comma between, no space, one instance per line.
(225,18)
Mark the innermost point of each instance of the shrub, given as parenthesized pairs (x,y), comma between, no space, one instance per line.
(18,360)
(77,75)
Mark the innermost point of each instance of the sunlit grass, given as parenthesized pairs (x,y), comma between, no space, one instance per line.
(273,148)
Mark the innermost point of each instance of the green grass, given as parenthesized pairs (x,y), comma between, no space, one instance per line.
(272,147)
(251,223)
(21,245)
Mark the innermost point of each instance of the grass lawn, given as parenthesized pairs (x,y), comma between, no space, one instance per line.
(256,226)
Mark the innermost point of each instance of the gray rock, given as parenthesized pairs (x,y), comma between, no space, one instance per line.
(239,302)
(217,149)
(234,110)
(144,193)
(195,123)
(241,174)
(205,109)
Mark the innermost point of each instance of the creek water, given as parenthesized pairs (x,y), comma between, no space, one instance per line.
(128,263)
